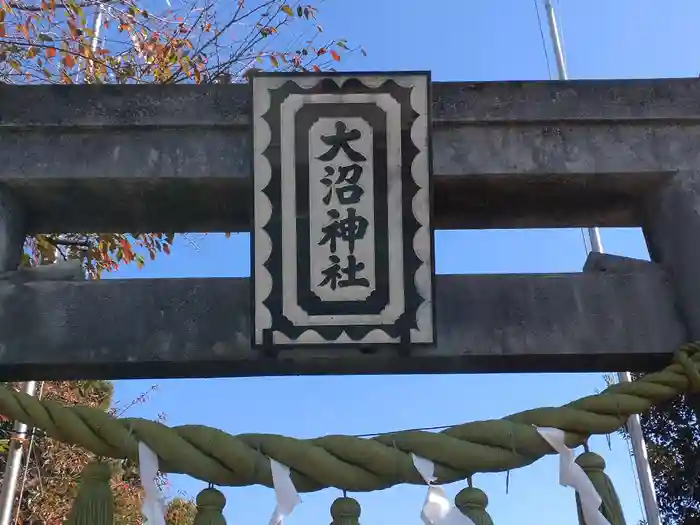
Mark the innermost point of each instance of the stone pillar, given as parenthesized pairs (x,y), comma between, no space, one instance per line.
(672,231)
(12,231)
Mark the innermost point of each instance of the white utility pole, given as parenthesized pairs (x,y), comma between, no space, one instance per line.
(14,462)
(593,233)
(634,425)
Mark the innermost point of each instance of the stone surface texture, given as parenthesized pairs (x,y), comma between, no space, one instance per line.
(201,327)
(505,155)
(512,154)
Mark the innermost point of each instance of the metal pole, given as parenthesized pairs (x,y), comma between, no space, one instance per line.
(94,41)
(641,460)
(634,425)
(97,26)
(593,233)
(14,463)
(26,464)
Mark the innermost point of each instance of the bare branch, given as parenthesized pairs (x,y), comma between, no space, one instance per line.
(21,6)
(68,242)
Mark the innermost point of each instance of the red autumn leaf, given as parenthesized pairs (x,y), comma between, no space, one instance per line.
(335,55)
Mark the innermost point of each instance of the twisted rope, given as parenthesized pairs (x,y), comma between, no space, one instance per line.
(353,463)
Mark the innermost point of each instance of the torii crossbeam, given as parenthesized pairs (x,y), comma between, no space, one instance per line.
(505,155)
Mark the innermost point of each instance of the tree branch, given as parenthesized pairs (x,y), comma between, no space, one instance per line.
(68,242)
(21,6)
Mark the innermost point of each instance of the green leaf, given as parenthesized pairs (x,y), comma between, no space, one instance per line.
(43,37)
(300,12)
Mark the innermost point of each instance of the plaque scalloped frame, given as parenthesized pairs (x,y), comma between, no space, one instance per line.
(405,98)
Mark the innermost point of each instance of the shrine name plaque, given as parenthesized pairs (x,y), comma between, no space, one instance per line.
(342,244)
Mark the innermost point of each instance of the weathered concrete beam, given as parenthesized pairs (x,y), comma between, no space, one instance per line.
(227,106)
(606,262)
(201,328)
(62,271)
(516,154)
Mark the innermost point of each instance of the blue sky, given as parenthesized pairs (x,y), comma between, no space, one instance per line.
(458,40)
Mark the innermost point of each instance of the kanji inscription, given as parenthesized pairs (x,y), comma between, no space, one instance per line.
(344,223)
(342,241)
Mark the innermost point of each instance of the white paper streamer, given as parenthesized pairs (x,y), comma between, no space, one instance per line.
(455,517)
(285,492)
(436,505)
(153,508)
(437,508)
(572,475)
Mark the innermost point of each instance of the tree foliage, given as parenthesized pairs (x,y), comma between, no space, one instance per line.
(51,480)
(162,42)
(672,437)
(181,511)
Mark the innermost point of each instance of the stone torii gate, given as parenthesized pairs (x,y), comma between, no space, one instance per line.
(504,155)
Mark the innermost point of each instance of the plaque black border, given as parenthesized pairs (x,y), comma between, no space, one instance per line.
(353,84)
(379,298)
